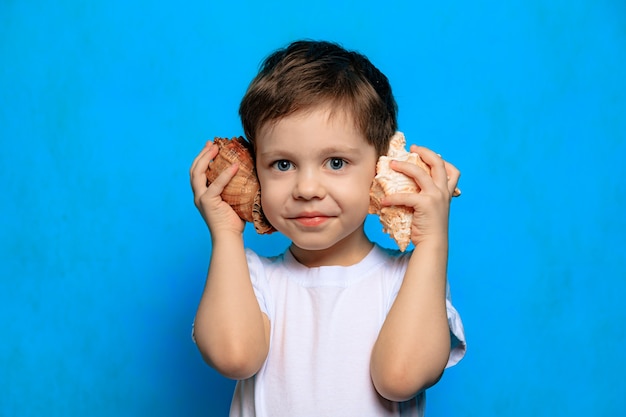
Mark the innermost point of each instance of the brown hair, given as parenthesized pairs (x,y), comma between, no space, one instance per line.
(306,74)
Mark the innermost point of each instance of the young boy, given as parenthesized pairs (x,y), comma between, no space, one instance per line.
(336,325)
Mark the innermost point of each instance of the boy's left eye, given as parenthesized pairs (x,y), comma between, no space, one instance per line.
(336,163)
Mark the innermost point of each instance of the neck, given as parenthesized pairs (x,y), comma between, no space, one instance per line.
(349,251)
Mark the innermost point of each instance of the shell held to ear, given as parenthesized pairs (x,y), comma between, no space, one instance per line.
(396,220)
(243,192)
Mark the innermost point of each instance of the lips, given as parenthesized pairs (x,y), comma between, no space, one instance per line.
(311,219)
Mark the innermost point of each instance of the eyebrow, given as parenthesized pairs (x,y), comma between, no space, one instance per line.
(327,151)
(330,150)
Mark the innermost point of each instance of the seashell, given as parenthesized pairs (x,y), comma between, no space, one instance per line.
(243,192)
(396,220)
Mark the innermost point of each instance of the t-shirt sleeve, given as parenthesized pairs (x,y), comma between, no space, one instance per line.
(259,281)
(259,285)
(458,345)
(457,333)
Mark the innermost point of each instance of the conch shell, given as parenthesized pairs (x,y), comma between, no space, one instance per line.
(243,192)
(396,220)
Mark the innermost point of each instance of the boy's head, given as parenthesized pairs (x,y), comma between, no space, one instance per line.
(307,74)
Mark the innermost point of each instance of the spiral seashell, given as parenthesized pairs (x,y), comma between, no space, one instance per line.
(396,220)
(243,192)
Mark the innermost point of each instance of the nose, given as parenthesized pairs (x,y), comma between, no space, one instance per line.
(309,185)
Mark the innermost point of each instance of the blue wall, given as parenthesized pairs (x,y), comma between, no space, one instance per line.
(104,104)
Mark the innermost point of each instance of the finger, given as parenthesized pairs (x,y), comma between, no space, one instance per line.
(453,179)
(222,180)
(436,164)
(205,193)
(198,169)
(202,160)
(208,146)
(400,199)
(415,172)
(451,172)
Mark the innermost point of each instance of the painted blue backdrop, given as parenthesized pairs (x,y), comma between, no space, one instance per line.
(104,104)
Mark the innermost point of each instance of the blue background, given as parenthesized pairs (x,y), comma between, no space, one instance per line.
(104,104)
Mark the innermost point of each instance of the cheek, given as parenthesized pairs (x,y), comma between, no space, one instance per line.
(270,199)
(355,193)
(368,178)
(266,197)
(365,186)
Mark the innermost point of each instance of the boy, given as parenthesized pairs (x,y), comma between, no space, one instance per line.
(336,325)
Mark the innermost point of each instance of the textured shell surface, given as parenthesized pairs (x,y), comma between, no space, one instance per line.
(259,220)
(242,193)
(396,220)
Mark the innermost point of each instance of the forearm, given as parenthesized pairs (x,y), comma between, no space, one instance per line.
(230,329)
(414,343)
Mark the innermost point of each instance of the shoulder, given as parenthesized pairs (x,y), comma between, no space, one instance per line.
(391,258)
(260,265)
(252,256)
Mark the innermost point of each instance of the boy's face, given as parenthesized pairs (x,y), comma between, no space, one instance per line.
(315,172)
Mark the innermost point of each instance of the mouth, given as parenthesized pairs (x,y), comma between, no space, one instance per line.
(311,219)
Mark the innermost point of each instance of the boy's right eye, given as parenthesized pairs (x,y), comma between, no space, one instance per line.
(282,165)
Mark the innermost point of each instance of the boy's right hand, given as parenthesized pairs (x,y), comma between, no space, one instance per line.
(218,215)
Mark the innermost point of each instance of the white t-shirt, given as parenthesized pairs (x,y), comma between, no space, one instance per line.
(324,322)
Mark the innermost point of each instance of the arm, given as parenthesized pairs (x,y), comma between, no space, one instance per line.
(413,345)
(231,332)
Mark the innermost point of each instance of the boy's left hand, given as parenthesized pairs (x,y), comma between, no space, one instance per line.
(431,204)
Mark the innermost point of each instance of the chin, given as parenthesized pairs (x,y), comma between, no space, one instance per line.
(316,243)
(312,246)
